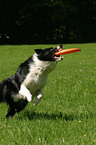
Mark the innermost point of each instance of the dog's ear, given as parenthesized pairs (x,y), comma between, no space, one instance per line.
(61,46)
(38,51)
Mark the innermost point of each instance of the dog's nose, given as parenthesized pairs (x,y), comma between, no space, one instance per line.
(59,48)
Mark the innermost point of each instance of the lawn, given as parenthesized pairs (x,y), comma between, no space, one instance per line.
(67,112)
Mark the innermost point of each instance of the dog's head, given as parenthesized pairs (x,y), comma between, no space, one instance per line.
(48,54)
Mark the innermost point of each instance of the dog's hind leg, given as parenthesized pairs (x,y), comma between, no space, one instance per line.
(16,107)
(11,113)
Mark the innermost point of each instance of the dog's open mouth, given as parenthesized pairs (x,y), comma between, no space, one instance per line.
(58,57)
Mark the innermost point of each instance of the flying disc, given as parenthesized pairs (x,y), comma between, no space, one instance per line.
(67,51)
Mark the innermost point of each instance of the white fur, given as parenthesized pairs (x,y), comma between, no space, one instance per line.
(25,92)
(36,79)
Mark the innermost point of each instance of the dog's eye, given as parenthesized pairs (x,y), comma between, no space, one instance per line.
(51,49)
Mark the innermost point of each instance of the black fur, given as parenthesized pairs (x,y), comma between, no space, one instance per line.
(11,86)
(46,54)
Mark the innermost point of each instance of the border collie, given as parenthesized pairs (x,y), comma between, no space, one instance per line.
(29,80)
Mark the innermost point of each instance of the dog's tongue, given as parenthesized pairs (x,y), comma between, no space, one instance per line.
(67,51)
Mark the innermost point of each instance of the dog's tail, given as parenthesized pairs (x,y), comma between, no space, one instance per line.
(3,91)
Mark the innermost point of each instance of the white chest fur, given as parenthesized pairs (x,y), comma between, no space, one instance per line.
(37,76)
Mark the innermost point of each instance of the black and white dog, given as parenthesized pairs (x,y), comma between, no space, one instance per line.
(29,80)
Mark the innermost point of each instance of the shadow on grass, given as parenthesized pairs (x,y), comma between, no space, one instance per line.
(52,116)
(55,116)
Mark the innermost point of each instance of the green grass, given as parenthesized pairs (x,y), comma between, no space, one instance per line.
(67,112)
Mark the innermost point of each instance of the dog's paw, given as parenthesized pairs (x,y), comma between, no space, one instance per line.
(29,99)
(34,104)
(36,101)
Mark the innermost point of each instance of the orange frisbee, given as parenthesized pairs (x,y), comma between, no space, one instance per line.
(67,51)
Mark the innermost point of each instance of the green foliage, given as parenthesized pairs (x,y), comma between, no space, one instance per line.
(48,21)
(67,111)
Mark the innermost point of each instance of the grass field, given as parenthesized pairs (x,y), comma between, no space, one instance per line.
(67,112)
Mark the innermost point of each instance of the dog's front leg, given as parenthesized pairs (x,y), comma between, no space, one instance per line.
(25,93)
(39,96)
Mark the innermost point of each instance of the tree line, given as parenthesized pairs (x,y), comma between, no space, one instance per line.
(47,21)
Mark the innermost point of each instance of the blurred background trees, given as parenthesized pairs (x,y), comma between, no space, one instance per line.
(47,21)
